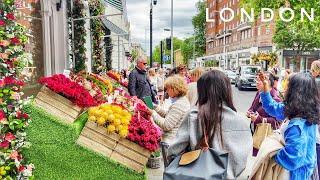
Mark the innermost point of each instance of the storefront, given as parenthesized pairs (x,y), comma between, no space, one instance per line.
(299,62)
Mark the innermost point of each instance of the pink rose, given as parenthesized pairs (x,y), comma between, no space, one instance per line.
(14,155)
(9,137)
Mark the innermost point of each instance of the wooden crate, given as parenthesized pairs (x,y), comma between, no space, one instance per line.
(125,152)
(57,105)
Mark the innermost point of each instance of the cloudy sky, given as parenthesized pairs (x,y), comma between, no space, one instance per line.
(138,14)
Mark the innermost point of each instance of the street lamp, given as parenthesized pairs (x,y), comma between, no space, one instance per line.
(224,41)
(152,3)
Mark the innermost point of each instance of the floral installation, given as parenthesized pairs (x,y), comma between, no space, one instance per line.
(73,91)
(142,131)
(117,77)
(104,85)
(13,120)
(272,58)
(96,9)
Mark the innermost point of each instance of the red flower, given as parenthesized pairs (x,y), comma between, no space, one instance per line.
(21,168)
(9,137)
(11,16)
(2,115)
(9,80)
(15,41)
(2,23)
(4,144)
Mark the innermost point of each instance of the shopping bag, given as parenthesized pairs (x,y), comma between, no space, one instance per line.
(202,164)
(262,130)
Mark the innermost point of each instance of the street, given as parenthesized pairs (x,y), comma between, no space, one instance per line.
(242,99)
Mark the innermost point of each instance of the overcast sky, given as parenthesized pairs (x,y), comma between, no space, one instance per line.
(138,14)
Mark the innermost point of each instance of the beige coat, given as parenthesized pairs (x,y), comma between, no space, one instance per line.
(265,167)
(170,121)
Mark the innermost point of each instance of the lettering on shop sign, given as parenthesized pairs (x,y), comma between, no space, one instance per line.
(267,15)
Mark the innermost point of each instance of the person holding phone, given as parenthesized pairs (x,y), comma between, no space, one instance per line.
(169,121)
(301,107)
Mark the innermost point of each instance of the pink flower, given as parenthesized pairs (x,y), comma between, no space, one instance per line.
(9,137)
(4,43)
(3,56)
(2,23)
(2,115)
(4,144)
(11,16)
(14,155)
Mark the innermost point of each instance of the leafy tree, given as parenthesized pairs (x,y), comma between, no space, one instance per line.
(199,24)
(187,49)
(296,34)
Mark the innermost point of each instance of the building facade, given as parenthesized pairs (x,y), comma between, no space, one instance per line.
(233,43)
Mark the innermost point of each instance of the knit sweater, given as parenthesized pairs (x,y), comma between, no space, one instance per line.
(236,136)
(170,121)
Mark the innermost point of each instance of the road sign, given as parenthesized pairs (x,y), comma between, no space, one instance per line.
(166,58)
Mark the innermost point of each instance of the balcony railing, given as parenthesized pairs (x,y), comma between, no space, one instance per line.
(244,26)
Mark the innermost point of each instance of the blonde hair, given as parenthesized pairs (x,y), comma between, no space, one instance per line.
(152,72)
(177,84)
(315,67)
(197,72)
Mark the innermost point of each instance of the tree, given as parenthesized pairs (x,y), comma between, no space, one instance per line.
(296,34)
(199,24)
(177,43)
(187,49)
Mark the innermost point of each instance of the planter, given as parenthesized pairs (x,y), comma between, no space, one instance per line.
(57,105)
(123,151)
(154,162)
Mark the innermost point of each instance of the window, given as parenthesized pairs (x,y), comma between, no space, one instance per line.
(268,29)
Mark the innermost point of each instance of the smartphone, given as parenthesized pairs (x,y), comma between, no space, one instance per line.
(148,101)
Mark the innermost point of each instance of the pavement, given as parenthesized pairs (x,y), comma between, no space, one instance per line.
(242,101)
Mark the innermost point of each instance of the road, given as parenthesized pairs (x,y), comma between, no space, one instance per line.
(242,99)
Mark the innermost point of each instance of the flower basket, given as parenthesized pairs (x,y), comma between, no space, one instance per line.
(154,162)
(121,150)
(57,105)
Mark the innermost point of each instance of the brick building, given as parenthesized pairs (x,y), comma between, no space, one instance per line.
(243,39)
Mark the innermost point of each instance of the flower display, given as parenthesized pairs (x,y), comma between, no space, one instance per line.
(117,77)
(13,120)
(113,117)
(71,90)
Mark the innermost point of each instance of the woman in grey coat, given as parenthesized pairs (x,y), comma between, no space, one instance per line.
(226,130)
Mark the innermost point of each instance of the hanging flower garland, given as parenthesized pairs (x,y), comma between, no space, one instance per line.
(79,41)
(97,30)
(272,58)
(13,120)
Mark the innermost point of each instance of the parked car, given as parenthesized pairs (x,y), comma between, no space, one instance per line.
(246,77)
(231,75)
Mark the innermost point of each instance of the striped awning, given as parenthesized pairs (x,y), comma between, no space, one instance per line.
(115,29)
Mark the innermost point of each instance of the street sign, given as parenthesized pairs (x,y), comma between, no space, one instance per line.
(166,58)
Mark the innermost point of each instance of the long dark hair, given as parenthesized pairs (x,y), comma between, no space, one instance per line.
(302,98)
(214,90)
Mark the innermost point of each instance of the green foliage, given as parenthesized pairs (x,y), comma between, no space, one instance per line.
(97,32)
(199,24)
(187,49)
(298,35)
(79,40)
(57,156)
(108,47)
(177,43)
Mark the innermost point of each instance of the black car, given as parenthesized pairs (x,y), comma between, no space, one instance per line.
(246,77)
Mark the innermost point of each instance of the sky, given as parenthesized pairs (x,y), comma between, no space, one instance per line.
(138,14)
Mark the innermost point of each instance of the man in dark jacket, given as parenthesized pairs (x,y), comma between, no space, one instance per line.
(139,84)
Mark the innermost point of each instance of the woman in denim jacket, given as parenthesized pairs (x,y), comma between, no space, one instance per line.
(301,107)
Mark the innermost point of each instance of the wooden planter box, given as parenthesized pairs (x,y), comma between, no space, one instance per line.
(57,105)
(125,152)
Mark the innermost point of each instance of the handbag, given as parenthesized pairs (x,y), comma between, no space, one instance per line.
(202,164)
(263,130)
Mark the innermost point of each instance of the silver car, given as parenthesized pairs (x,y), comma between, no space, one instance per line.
(231,75)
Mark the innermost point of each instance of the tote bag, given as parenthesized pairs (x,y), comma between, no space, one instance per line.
(202,164)
(263,130)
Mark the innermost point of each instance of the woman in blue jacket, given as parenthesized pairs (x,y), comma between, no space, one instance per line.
(301,108)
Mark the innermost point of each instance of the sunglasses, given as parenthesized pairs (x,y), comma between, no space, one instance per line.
(145,63)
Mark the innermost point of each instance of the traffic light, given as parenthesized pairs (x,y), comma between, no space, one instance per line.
(168,43)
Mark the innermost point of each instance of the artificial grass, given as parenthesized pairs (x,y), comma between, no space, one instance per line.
(56,156)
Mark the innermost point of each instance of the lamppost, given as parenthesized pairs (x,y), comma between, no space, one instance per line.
(152,3)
